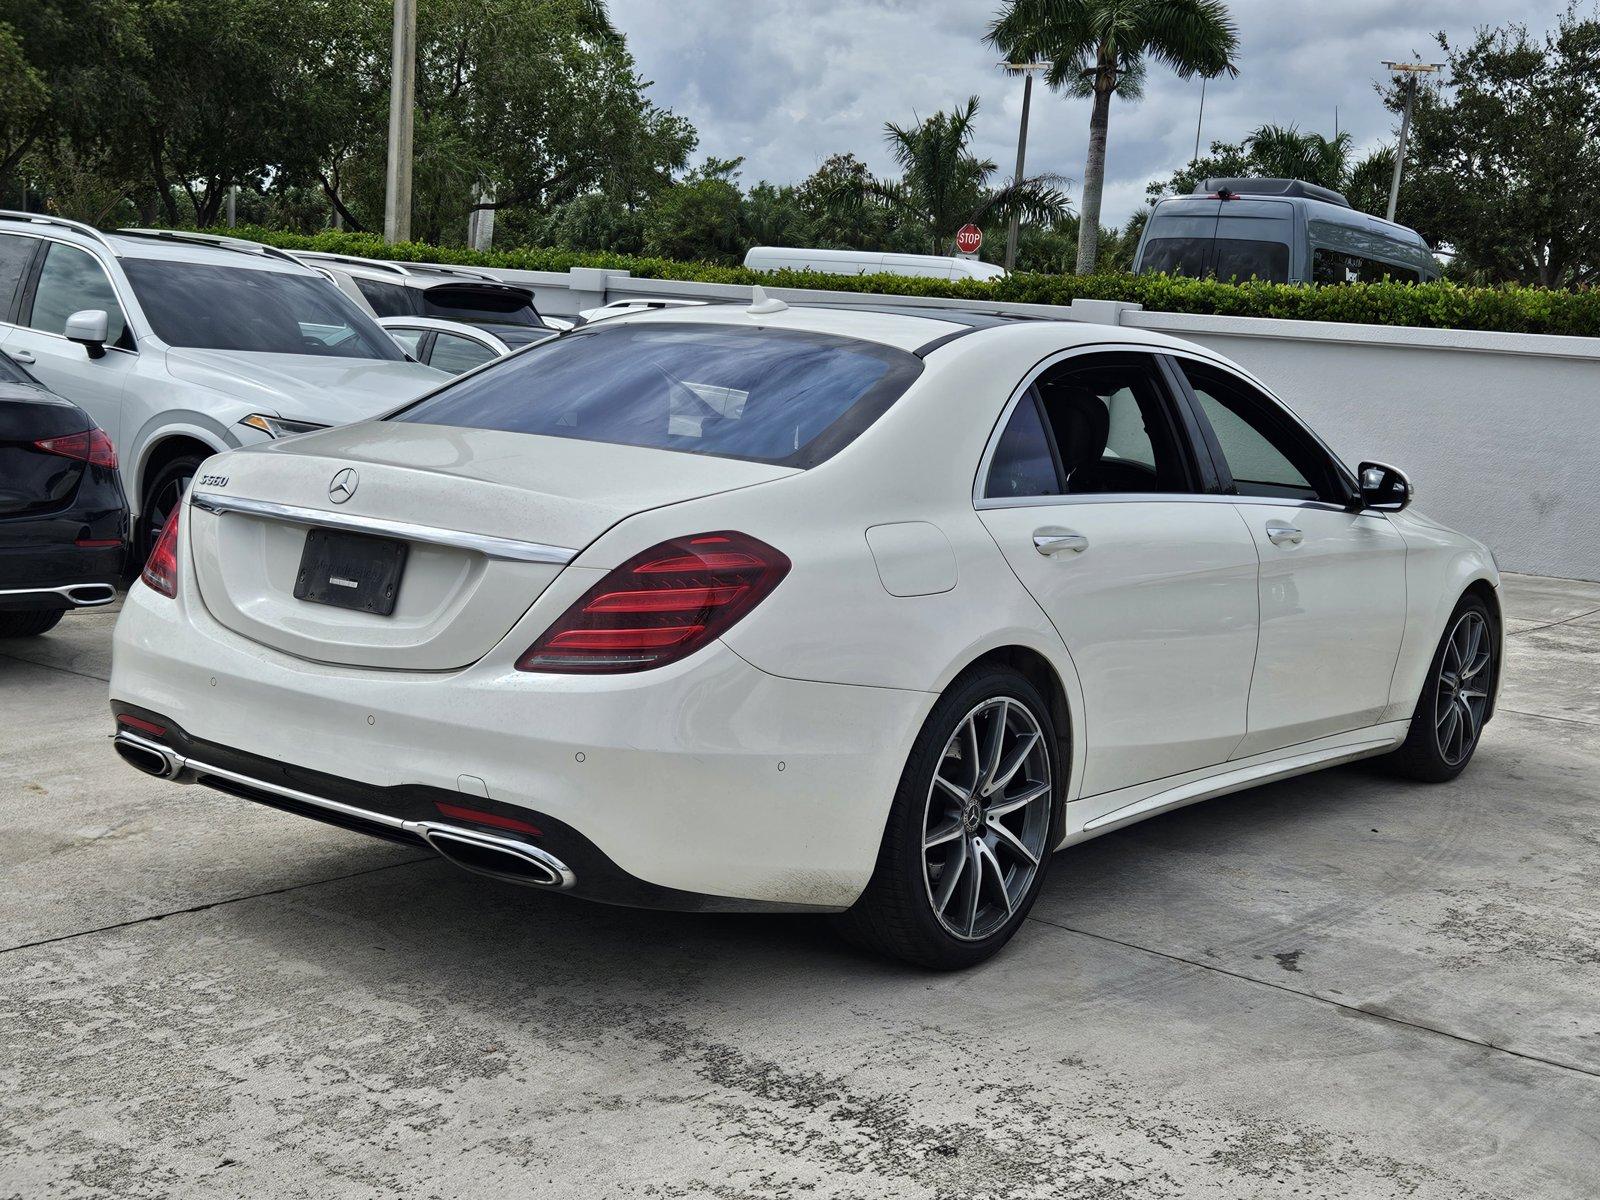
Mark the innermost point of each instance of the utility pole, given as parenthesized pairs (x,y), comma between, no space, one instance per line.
(1026,70)
(233,205)
(402,112)
(1412,72)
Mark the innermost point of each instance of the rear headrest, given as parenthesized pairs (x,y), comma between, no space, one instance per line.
(1082,425)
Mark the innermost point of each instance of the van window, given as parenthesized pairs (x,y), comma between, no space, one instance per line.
(1222,258)
(1334,266)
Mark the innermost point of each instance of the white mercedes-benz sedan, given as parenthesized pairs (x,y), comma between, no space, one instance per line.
(857,610)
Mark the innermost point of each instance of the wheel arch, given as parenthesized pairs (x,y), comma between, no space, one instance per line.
(162,448)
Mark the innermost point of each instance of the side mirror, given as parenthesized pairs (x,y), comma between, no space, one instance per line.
(1383,487)
(88,328)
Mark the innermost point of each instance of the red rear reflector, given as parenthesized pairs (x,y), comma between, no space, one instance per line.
(161,571)
(141,725)
(459,812)
(660,605)
(97,543)
(92,446)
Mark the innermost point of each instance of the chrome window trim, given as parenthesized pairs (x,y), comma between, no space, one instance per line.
(1198,354)
(505,549)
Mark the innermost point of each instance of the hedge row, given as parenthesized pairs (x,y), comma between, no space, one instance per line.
(1511,309)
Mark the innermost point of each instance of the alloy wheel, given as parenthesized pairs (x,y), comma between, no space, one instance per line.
(987,818)
(163,502)
(1462,693)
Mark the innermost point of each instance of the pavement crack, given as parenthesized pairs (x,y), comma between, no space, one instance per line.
(196,908)
(1553,624)
(1353,1009)
(33,662)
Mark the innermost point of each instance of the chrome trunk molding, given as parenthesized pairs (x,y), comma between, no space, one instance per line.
(508,549)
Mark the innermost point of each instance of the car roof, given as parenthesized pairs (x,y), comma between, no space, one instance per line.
(478,332)
(171,245)
(908,327)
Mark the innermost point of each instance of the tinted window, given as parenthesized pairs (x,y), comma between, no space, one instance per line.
(1237,258)
(1333,266)
(387,299)
(1224,258)
(480,303)
(456,354)
(15,254)
(70,281)
(408,339)
(773,395)
(242,308)
(1267,454)
(1109,419)
(1023,463)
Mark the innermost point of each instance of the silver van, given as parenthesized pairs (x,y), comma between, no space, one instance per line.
(1279,231)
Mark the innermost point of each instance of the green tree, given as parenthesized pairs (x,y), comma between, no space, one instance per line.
(1504,159)
(1284,152)
(701,218)
(944,185)
(1099,49)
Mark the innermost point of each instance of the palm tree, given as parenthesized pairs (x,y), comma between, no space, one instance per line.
(944,185)
(1286,153)
(1099,48)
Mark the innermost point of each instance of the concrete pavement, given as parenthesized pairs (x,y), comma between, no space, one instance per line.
(1337,986)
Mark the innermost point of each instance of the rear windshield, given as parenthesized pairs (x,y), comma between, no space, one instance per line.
(1224,258)
(769,395)
(479,304)
(244,308)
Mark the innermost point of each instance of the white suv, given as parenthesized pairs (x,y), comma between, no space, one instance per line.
(182,345)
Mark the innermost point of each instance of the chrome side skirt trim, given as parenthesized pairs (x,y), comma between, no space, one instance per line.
(81,595)
(188,770)
(508,549)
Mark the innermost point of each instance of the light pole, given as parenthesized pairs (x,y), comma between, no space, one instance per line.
(1412,72)
(402,106)
(1199,119)
(1026,70)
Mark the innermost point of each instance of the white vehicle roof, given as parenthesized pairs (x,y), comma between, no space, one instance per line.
(164,244)
(901,326)
(868,262)
(476,332)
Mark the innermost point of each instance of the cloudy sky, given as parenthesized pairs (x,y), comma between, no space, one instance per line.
(785,83)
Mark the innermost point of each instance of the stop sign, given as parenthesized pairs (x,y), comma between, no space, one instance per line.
(968,239)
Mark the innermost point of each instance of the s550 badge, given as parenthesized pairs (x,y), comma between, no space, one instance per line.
(213,481)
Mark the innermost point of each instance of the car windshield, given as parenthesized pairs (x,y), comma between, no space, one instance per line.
(770,395)
(240,308)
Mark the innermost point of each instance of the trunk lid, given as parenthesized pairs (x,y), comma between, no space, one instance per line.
(488,519)
(34,481)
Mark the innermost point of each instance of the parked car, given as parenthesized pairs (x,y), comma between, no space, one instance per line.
(868,262)
(445,293)
(1279,231)
(180,345)
(842,609)
(63,518)
(448,346)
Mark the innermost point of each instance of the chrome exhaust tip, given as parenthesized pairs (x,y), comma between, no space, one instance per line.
(89,595)
(499,858)
(151,762)
(150,758)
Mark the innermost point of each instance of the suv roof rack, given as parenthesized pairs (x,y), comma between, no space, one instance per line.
(217,241)
(353,261)
(1247,186)
(451,269)
(88,231)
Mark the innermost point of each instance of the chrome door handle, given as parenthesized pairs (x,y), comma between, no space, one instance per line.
(1281,533)
(22,356)
(1058,541)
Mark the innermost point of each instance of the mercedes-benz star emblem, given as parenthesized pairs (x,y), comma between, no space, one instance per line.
(343,485)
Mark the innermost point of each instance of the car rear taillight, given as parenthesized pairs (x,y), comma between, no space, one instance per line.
(161,570)
(91,446)
(660,605)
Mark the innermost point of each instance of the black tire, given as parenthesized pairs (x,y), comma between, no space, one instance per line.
(897,914)
(1437,748)
(164,492)
(29,624)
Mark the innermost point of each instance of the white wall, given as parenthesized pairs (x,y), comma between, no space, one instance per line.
(1499,432)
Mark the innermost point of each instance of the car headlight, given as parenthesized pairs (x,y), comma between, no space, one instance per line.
(279,427)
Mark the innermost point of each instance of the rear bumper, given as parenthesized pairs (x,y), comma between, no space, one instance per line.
(705,784)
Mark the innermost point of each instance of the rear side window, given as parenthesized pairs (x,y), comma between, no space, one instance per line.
(456,354)
(770,395)
(387,299)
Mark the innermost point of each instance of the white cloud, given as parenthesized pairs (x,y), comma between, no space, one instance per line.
(785,83)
